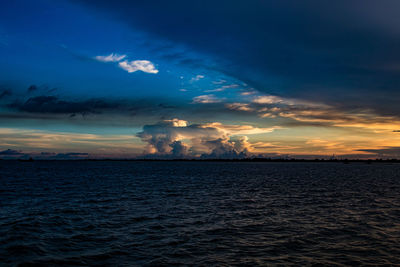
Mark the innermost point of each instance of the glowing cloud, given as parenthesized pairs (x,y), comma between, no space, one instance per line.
(177,138)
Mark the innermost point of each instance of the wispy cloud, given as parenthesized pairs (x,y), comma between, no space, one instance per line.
(197,78)
(239,106)
(138,65)
(223,88)
(63,142)
(110,58)
(270,99)
(206,99)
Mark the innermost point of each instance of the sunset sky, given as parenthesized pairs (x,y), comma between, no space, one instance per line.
(209,79)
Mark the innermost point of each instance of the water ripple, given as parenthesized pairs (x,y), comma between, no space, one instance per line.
(199,213)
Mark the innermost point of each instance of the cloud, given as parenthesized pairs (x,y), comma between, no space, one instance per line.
(129,66)
(172,138)
(348,58)
(52,104)
(197,78)
(70,155)
(220,81)
(223,88)
(67,142)
(239,106)
(248,92)
(177,122)
(206,99)
(14,154)
(5,93)
(110,58)
(32,88)
(179,149)
(307,113)
(138,65)
(270,99)
(10,152)
(388,152)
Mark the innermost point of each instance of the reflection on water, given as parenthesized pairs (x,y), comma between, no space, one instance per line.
(202,213)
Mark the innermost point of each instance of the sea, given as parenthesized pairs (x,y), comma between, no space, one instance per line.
(167,213)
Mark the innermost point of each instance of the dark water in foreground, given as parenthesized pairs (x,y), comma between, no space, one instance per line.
(171,213)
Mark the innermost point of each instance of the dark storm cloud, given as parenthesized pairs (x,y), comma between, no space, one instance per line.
(71,155)
(11,152)
(14,154)
(52,104)
(334,51)
(384,152)
(5,93)
(47,106)
(32,88)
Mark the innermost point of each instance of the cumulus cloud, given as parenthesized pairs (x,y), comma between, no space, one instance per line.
(176,138)
(138,65)
(110,58)
(129,66)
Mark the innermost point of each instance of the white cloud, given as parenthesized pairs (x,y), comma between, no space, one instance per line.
(110,58)
(219,81)
(138,65)
(197,78)
(206,99)
(223,88)
(129,66)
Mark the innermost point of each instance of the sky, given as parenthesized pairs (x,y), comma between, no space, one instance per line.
(199,79)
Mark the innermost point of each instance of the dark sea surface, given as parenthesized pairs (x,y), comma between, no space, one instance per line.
(199,213)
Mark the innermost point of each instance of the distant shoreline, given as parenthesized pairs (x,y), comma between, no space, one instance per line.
(345,161)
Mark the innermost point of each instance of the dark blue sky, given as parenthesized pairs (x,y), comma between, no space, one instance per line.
(314,75)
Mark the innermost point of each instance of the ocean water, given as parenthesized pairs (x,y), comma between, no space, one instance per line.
(199,213)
